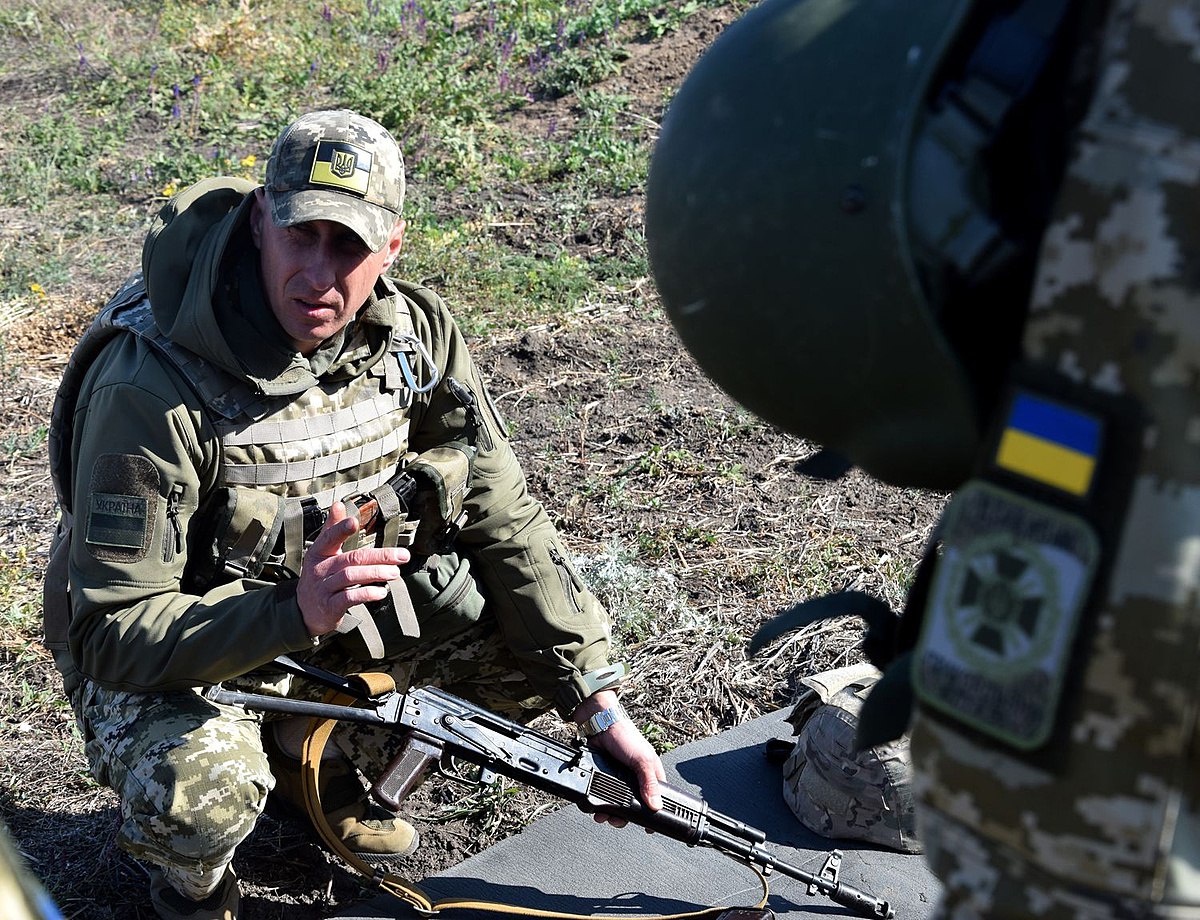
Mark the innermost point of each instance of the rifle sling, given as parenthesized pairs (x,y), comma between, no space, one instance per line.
(315,740)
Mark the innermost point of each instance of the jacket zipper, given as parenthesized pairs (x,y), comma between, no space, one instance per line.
(173,539)
(570,586)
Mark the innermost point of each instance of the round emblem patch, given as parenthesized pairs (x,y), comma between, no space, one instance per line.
(1002,614)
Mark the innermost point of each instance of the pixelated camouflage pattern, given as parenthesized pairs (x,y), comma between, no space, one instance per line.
(295,198)
(474,664)
(555,628)
(839,791)
(192,775)
(1113,830)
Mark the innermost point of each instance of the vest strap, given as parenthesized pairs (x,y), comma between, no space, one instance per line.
(359,618)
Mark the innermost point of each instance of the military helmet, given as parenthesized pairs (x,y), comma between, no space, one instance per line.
(834,788)
(840,217)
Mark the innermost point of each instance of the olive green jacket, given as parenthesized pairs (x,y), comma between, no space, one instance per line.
(133,626)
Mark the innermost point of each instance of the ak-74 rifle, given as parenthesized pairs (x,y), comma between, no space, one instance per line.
(439,729)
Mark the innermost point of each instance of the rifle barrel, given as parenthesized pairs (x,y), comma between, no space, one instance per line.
(296,707)
(862,903)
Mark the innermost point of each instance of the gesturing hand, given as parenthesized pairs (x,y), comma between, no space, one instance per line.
(333,581)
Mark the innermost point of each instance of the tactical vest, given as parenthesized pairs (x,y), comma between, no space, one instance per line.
(284,459)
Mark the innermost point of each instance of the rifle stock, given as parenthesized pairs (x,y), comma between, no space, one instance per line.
(439,728)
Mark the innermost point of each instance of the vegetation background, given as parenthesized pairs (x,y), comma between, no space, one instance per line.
(528,127)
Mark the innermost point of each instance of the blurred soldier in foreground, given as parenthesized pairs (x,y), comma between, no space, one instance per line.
(959,243)
(22,896)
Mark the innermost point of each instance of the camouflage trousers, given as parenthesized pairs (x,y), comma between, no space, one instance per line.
(984,880)
(192,776)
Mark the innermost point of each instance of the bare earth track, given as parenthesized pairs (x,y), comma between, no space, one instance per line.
(688,515)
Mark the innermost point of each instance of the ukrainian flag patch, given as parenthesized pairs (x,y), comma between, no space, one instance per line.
(341,165)
(1050,443)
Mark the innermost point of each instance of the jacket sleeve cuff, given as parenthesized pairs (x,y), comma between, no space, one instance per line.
(581,685)
(295,633)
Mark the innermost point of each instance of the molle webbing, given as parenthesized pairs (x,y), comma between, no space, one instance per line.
(346,443)
(320,446)
(292,433)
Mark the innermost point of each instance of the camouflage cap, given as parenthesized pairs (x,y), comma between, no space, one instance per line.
(837,790)
(341,166)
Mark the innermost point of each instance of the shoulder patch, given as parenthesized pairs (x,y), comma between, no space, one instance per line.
(121,509)
(1003,610)
(117,520)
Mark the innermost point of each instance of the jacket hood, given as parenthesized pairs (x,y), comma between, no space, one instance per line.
(193,252)
(181,262)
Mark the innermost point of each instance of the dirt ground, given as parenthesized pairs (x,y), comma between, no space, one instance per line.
(636,456)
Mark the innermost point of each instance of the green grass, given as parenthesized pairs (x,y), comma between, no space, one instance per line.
(492,286)
(149,96)
(20,599)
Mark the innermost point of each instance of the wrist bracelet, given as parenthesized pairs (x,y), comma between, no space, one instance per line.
(602,721)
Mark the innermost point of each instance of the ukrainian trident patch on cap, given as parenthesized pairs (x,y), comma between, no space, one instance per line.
(1003,610)
(342,165)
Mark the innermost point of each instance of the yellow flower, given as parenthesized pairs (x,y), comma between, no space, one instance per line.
(38,290)
(169,189)
(249,161)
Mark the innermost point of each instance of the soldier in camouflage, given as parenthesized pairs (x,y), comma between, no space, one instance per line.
(1105,823)
(257,374)
(1020,195)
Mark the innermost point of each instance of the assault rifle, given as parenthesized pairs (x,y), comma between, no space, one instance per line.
(439,728)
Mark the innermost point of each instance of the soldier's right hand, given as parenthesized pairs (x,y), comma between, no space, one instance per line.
(333,581)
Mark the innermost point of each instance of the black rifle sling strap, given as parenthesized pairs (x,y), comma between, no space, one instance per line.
(315,740)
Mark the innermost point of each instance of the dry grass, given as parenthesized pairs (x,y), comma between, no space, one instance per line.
(689,552)
(687,515)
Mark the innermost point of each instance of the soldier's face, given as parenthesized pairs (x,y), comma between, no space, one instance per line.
(316,275)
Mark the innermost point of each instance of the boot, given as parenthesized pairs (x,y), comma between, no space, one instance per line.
(221,904)
(367,829)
